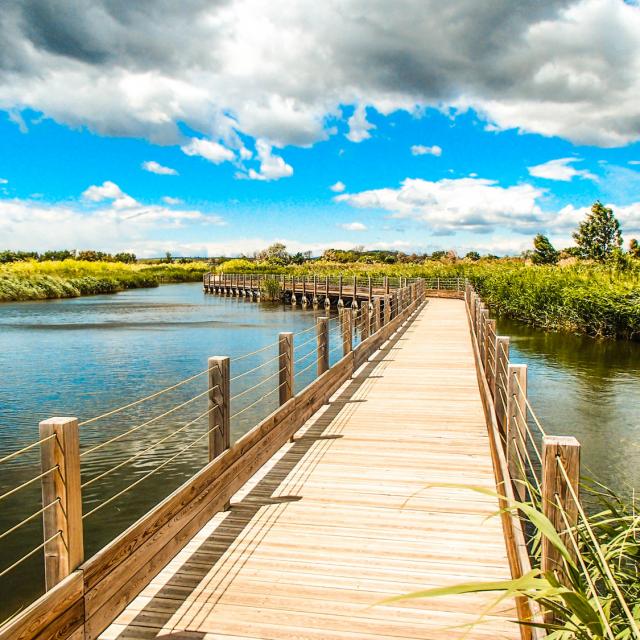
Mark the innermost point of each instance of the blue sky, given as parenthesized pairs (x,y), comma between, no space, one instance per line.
(417,161)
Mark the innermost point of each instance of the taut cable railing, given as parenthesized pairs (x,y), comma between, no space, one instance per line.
(278,386)
(542,470)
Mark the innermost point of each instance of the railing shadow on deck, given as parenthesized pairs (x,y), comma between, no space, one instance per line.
(164,605)
(84,598)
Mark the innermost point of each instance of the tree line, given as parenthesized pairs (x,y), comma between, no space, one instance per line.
(88,255)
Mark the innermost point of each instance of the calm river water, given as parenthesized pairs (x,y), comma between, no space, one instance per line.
(84,356)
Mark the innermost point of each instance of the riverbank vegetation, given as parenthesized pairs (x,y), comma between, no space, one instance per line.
(32,279)
(592,287)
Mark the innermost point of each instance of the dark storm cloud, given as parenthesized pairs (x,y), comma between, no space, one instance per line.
(558,67)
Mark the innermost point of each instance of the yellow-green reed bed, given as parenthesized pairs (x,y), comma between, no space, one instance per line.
(71,278)
(581,297)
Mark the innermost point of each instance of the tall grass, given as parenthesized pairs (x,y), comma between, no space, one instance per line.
(72,278)
(587,600)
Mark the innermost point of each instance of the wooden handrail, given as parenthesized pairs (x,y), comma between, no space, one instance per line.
(89,598)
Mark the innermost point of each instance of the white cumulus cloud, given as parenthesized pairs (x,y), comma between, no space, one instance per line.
(271,167)
(338,187)
(209,150)
(561,169)
(567,68)
(171,201)
(359,126)
(353,226)
(109,191)
(4,181)
(421,150)
(155,167)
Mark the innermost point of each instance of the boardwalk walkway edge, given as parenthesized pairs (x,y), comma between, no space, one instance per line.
(84,603)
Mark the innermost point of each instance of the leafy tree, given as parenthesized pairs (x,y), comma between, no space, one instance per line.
(63,254)
(93,256)
(472,255)
(544,251)
(438,255)
(168,258)
(275,254)
(127,258)
(297,258)
(17,256)
(599,234)
(634,248)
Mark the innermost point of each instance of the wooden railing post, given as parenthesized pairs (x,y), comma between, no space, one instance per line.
(489,351)
(219,409)
(387,310)
(65,552)
(501,380)
(364,321)
(322,335)
(556,496)
(386,285)
(346,318)
(377,311)
(516,428)
(285,365)
(370,291)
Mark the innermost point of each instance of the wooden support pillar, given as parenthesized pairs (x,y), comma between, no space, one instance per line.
(355,291)
(315,289)
(219,409)
(500,393)
(489,352)
(64,553)
(285,365)
(369,291)
(377,311)
(340,301)
(364,321)
(387,310)
(322,335)
(482,333)
(516,435)
(559,451)
(346,319)
(386,285)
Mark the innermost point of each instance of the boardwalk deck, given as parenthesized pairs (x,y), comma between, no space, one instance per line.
(353,512)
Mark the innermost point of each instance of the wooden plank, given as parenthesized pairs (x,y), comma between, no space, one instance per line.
(47,617)
(353,511)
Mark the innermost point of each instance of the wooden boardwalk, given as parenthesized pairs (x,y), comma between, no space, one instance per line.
(356,510)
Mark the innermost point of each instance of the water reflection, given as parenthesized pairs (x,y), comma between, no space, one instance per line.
(85,356)
(589,389)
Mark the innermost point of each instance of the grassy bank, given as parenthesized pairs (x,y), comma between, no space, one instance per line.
(72,278)
(582,297)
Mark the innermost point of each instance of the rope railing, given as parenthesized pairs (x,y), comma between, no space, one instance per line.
(129,460)
(164,414)
(149,474)
(26,556)
(606,569)
(29,447)
(20,524)
(23,485)
(547,479)
(335,334)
